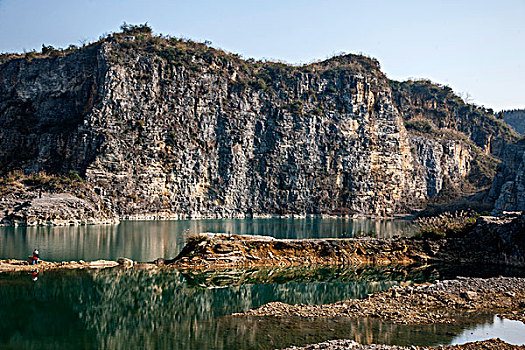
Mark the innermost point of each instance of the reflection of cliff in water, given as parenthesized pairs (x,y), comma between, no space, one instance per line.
(149,240)
(121,309)
(304,274)
(44,314)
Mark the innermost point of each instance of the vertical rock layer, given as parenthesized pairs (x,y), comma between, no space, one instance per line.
(158,125)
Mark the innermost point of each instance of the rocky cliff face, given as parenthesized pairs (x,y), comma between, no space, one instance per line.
(177,129)
(426,106)
(43,103)
(508,189)
(470,141)
(516,119)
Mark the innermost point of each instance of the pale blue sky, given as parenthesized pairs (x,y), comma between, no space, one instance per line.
(476,47)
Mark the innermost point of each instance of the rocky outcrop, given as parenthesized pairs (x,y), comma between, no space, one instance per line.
(491,241)
(50,200)
(175,129)
(508,189)
(61,209)
(515,118)
(216,250)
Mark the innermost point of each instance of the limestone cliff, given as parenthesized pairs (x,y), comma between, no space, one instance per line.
(508,189)
(459,145)
(174,128)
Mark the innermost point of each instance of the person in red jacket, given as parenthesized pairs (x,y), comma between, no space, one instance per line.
(36,256)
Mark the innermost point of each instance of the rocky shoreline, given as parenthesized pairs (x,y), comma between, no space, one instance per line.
(440,302)
(344,344)
(12,265)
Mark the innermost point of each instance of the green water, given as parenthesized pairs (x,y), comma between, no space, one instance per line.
(149,240)
(119,309)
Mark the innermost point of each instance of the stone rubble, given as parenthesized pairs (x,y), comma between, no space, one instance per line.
(344,344)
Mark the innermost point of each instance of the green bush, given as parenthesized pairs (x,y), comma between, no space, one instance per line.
(74,176)
(136,29)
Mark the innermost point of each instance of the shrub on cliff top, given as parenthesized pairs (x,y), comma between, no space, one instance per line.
(446,225)
(136,29)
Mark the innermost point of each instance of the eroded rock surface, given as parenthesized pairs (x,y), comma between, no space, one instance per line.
(163,128)
(218,250)
(493,240)
(508,189)
(56,209)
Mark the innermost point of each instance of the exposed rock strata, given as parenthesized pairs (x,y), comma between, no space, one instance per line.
(508,190)
(56,209)
(176,129)
(212,250)
(442,161)
(492,241)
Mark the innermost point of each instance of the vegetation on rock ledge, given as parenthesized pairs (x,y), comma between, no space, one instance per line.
(445,225)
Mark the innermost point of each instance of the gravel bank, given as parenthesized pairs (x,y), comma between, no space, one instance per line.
(440,302)
(343,344)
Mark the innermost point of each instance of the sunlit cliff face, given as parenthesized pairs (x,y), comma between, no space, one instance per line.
(175,129)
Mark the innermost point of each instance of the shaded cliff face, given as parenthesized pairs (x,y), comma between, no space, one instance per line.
(165,126)
(508,189)
(43,103)
(516,119)
(459,145)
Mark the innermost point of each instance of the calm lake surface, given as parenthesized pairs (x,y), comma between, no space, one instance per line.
(172,309)
(149,240)
(175,310)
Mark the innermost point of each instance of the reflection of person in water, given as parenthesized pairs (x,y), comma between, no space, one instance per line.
(34,274)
